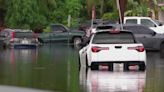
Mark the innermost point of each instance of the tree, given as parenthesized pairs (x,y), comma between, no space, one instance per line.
(23,14)
(136,8)
(2,12)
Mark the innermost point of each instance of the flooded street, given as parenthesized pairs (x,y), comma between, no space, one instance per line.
(55,67)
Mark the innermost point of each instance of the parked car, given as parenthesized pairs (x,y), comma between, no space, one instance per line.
(113,47)
(150,39)
(19,38)
(62,34)
(146,21)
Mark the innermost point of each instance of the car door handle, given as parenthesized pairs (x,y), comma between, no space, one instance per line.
(118,47)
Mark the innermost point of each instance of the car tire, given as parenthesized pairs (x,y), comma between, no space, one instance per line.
(142,66)
(162,50)
(79,62)
(126,66)
(77,41)
(86,61)
(40,40)
(94,66)
(4,46)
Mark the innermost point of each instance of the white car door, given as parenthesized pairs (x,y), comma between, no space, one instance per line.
(83,54)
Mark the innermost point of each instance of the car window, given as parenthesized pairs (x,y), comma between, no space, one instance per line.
(131,21)
(58,28)
(147,23)
(109,38)
(139,29)
(105,27)
(23,35)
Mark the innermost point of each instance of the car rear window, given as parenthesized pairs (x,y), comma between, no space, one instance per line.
(105,27)
(23,35)
(110,38)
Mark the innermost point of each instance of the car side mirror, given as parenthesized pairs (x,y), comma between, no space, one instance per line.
(153,33)
(160,24)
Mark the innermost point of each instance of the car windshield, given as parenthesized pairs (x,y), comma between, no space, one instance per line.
(109,38)
(158,22)
(24,35)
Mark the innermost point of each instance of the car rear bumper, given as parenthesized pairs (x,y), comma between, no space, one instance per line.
(24,46)
(112,62)
(124,64)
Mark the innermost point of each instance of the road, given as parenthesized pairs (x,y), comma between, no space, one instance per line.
(54,67)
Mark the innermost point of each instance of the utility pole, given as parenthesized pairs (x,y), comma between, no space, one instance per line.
(121,5)
(93,15)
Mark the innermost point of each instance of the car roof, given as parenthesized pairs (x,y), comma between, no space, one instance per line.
(119,25)
(136,17)
(18,30)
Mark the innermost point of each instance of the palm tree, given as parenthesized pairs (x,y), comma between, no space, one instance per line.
(2,11)
(97,3)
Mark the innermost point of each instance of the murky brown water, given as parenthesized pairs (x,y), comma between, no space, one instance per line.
(55,67)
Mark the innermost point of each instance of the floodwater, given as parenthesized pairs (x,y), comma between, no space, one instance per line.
(55,68)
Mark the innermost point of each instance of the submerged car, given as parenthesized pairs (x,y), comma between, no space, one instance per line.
(111,47)
(14,38)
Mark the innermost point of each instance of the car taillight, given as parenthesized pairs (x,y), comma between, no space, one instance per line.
(115,31)
(138,48)
(97,49)
(12,36)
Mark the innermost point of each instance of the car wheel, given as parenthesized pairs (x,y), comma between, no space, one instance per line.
(162,50)
(94,66)
(86,62)
(4,46)
(126,66)
(40,40)
(142,66)
(76,42)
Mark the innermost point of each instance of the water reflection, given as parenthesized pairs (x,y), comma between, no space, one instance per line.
(16,55)
(55,67)
(106,81)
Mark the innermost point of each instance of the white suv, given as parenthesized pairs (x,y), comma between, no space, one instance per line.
(146,21)
(107,48)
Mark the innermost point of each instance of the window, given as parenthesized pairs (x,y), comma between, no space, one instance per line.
(131,21)
(147,23)
(139,29)
(109,38)
(24,35)
(58,28)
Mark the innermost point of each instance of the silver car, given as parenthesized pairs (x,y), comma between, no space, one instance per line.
(150,39)
(14,38)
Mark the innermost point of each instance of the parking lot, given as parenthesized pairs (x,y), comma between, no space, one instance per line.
(55,67)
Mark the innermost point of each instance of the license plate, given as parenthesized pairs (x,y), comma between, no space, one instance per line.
(118,66)
(24,42)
